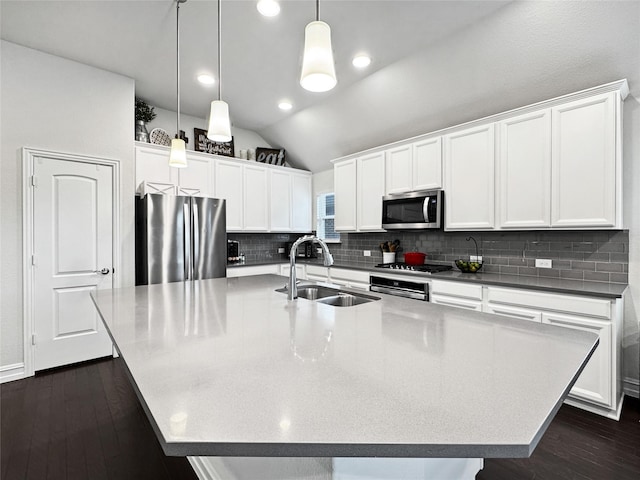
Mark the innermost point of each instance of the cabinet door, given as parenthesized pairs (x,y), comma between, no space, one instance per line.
(584,163)
(228,185)
(280,193)
(370,188)
(196,178)
(427,164)
(256,199)
(344,176)
(152,166)
(469,179)
(524,171)
(399,169)
(595,381)
(301,203)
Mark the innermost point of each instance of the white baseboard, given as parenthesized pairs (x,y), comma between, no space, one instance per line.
(9,373)
(631,387)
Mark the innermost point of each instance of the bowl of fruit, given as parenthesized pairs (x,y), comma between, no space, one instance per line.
(468,267)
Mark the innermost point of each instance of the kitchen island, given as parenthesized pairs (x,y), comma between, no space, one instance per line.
(229,367)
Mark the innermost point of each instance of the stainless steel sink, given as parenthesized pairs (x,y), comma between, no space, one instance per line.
(347,299)
(331,296)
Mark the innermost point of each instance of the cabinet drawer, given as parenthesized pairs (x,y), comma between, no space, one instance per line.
(318,271)
(456,302)
(456,289)
(341,274)
(515,312)
(549,301)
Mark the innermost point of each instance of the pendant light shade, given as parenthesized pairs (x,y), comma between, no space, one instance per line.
(219,124)
(318,68)
(178,155)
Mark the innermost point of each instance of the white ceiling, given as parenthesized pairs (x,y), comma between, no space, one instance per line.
(261,56)
(435,63)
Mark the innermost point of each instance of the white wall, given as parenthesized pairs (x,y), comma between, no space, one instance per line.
(55,104)
(242,139)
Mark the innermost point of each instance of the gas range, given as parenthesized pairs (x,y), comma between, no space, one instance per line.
(426,268)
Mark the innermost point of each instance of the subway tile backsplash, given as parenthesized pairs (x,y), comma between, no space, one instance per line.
(577,255)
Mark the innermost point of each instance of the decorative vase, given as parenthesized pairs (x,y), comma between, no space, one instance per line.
(141,132)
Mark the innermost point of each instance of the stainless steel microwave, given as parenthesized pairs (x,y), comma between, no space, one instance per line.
(413,210)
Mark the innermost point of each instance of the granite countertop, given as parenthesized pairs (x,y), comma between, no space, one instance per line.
(545,284)
(229,367)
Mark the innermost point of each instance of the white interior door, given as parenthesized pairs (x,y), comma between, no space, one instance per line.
(73,256)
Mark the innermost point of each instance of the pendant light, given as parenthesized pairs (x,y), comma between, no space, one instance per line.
(178,155)
(318,69)
(219,123)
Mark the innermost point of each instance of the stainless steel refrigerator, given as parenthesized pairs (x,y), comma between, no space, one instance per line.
(180,238)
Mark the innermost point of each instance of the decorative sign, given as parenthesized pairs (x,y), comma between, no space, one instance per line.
(272,156)
(203,144)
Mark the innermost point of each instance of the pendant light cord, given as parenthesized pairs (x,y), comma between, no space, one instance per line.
(178,67)
(219,49)
(317,10)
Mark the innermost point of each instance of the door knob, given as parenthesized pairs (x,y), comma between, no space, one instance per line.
(104,271)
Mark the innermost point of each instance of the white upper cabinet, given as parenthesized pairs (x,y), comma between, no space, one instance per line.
(524,171)
(399,166)
(584,162)
(427,164)
(345,185)
(152,166)
(290,202)
(301,207)
(370,188)
(416,166)
(469,178)
(229,185)
(196,178)
(280,193)
(256,199)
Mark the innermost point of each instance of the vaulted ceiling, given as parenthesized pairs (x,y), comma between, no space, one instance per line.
(435,63)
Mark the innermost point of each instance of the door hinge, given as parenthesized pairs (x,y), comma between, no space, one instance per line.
(33,260)
(33,339)
(34,181)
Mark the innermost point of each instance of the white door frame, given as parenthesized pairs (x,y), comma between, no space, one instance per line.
(28,159)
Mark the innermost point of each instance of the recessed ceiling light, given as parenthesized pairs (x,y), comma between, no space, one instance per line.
(206,79)
(284,105)
(268,8)
(361,61)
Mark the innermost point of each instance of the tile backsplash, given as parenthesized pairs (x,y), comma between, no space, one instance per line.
(594,255)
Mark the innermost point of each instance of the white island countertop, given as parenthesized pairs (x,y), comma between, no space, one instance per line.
(229,367)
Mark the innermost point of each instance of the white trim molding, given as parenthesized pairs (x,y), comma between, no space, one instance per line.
(631,387)
(28,159)
(9,373)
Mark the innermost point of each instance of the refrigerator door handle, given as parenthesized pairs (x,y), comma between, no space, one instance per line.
(195,245)
(186,215)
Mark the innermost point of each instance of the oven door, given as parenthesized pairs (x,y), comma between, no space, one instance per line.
(400,288)
(412,210)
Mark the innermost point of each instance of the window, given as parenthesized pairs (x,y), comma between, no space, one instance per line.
(325,203)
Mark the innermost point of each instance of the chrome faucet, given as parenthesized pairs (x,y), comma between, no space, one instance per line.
(292,290)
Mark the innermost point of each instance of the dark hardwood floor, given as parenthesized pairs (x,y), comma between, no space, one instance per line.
(85,422)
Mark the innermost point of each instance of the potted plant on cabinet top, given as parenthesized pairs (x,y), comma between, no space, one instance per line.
(144,114)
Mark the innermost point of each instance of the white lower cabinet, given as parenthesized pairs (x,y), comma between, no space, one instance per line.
(456,294)
(301,273)
(349,278)
(596,389)
(253,270)
(595,381)
(317,273)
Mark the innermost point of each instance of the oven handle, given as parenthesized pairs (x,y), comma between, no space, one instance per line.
(399,292)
